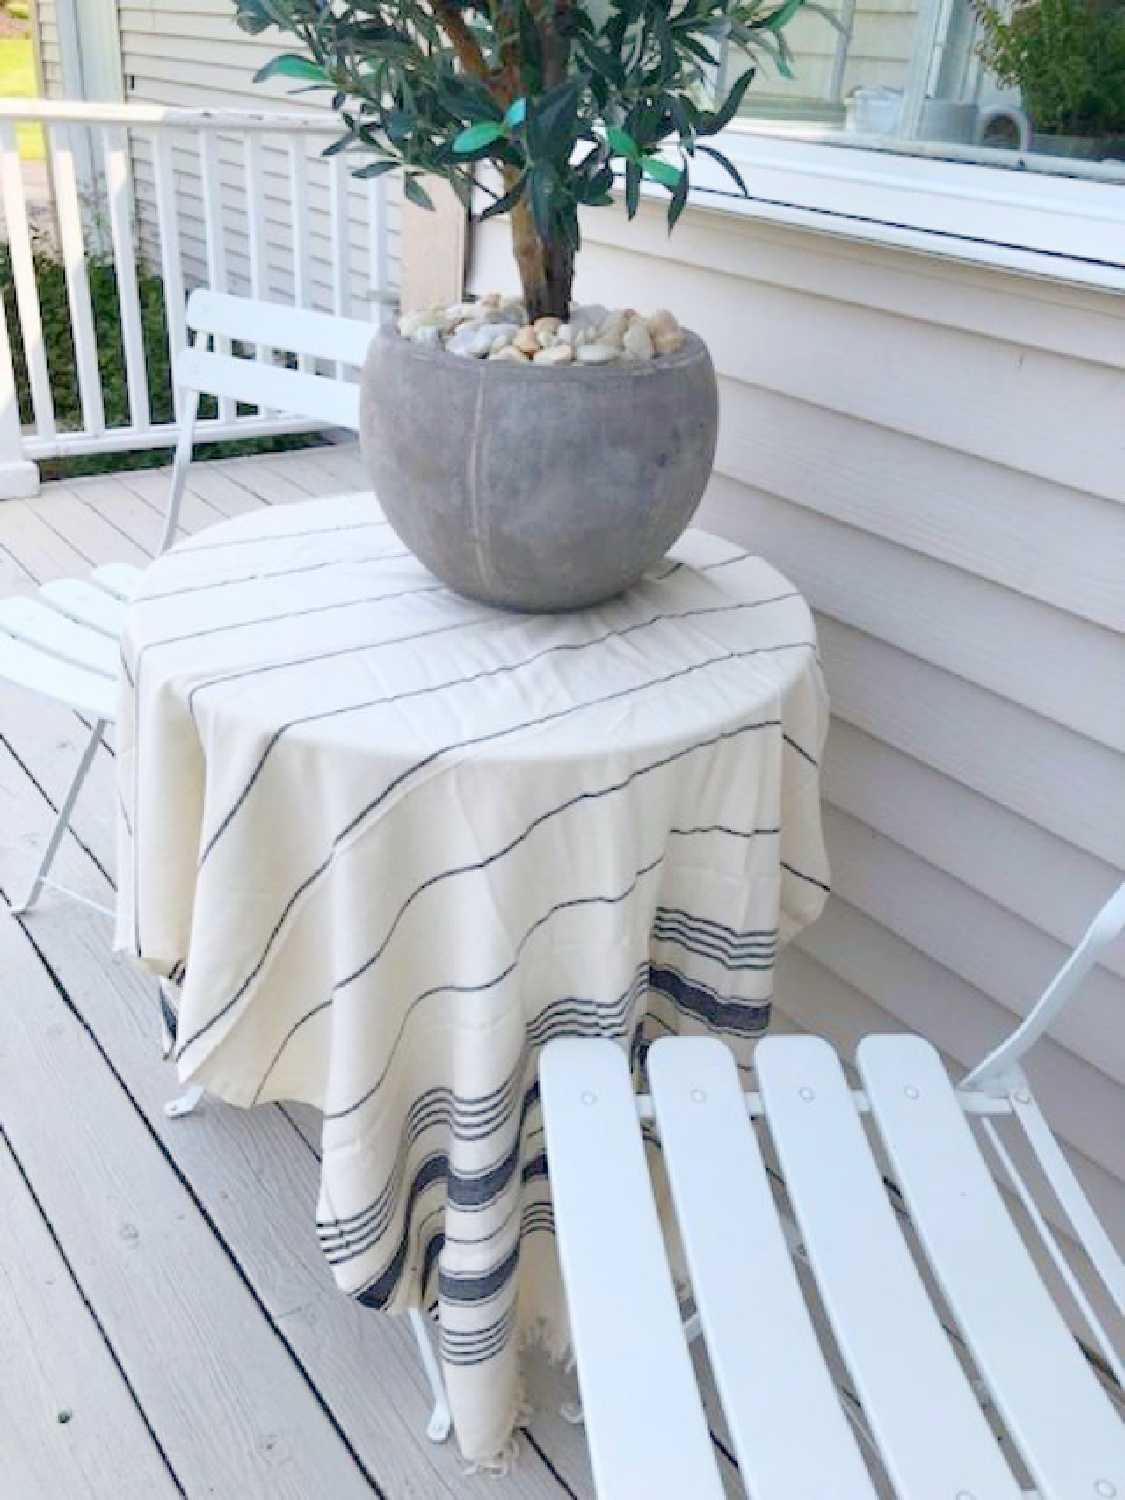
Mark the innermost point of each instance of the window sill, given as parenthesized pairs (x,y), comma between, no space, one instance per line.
(1036,221)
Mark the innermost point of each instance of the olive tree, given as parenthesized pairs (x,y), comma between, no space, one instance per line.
(560,96)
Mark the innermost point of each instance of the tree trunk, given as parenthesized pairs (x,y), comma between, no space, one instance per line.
(546,267)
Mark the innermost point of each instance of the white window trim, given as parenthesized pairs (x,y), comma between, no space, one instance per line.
(1066,228)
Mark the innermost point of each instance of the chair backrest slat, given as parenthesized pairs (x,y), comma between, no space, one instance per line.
(318,397)
(272,325)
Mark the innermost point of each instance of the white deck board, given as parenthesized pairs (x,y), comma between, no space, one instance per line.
(68,1423)
(224,1203)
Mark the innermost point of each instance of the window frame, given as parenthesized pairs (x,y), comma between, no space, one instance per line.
(998,212)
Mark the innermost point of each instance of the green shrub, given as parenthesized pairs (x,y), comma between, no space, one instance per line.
(50,276)
(19,10)
(1067,58)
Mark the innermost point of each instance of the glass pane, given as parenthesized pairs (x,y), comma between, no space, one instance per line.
(1042,78)
(847,45)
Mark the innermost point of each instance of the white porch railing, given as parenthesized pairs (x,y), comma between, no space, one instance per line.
(235,199)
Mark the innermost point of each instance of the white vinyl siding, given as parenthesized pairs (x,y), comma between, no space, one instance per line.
(45,19)
(934,453)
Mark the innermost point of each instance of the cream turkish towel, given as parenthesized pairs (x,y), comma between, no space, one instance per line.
(387,842)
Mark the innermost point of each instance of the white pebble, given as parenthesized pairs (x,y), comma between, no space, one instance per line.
(472,344)
(598,354)
(509,355)
(557,354)
(637,343)
(428,335)
(669,341)
(591,317)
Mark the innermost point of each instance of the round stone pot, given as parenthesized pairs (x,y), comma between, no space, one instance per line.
(537,488)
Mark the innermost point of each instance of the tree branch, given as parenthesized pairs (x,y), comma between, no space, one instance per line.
(464,42)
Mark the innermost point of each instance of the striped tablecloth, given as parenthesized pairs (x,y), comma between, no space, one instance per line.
(388,842)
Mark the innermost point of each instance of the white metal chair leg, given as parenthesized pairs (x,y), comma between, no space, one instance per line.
(62,820)
(185,1103)
(441,1420)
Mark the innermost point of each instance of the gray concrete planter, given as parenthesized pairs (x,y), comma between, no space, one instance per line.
(539,488)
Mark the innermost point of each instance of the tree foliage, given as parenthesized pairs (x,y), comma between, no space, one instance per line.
(1067,58)
(562,98)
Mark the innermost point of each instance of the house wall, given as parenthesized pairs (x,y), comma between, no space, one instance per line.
(936,455)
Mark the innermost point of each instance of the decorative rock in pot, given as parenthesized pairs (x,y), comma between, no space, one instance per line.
(567,460)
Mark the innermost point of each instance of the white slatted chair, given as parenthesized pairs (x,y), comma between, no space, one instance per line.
(791,1430)
(62,640)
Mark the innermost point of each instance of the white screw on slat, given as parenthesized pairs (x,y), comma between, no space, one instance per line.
(807,1094)
(589,1098)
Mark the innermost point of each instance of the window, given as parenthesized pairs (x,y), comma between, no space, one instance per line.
(1037,84)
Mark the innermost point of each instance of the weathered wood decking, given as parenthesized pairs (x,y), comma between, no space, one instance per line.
(167,1323)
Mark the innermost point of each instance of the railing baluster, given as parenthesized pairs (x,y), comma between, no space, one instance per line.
(338,220)
(23,277)
(119,190)
(69,210)
(299,209)
(377,258)
(211,188)
(17,476)
(253,172)
(171,259)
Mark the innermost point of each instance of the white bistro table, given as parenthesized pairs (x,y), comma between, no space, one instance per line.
(387,842)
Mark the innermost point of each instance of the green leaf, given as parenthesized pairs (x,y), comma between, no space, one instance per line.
(662,171)
(516,113)
(728,166)
(289,65)
(711,124)
(473,137)
(252,19)
(554,124)
(508,201)
(781,16)
(623,144)
(542,182)
(679,200)
(375,169)
(632,187)
(416,193)
(531,49)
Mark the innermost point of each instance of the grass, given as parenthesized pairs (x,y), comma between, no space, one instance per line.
(50,278)
(17,81)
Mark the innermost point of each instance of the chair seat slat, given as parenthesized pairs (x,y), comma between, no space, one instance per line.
(644,1418)
(31,620)
(118,579)
(27,666)
(83,601)
(931,1432)
(1068,1433)
(745,1285)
